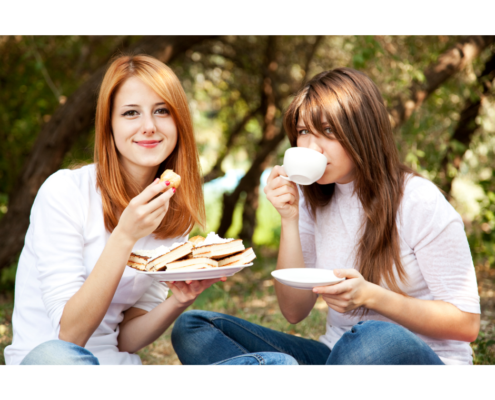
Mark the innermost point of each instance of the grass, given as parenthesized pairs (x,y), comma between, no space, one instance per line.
(6,308)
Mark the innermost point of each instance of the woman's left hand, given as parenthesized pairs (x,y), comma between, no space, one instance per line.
(347,295)
(186,292)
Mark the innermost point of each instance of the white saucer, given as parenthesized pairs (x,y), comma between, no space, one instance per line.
(197,275)
(306,278)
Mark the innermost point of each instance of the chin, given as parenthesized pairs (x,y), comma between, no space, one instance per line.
(325,181)
(150,163)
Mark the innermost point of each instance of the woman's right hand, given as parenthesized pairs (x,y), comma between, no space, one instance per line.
(283,194)
(143,215)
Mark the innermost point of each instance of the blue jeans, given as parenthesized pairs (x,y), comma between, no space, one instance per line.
(58,352)
(64,354)
(204,337)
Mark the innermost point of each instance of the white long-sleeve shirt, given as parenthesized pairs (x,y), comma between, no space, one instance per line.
(434,252)
(65,239)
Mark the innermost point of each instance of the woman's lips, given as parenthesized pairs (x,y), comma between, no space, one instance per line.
(148,143)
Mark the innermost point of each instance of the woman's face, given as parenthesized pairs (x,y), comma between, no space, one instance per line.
(340,167)
(143,129)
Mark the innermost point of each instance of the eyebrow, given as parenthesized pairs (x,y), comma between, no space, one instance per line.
(137,105)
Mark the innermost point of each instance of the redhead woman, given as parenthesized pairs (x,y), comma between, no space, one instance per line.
(410,294)
(76,302)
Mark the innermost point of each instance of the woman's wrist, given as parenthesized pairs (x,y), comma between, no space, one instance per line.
(174,302)
(372,296)
(123,239)
(290,223)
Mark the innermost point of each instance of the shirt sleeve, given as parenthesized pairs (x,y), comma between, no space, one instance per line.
(306,232)
(58,219)
(435,232)
(156,294)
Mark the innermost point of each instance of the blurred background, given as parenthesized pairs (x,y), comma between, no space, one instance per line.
(438,89)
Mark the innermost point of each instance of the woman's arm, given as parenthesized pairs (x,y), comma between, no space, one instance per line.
(295,304)
(85,310)
(140,328)
(434,318)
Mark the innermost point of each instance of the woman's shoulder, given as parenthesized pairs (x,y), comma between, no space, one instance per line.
(424,208)
(68,184)
(424,196)
(418,188)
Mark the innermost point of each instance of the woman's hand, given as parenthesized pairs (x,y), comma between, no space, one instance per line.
(186,292)
(347,295)
(283,194)
(145,212)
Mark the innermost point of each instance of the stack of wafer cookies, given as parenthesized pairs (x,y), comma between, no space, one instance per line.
(195,254)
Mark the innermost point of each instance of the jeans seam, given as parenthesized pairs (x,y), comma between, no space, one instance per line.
(256,356)
(244,351)
(252,333)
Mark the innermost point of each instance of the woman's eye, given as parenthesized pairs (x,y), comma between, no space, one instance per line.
(130,113)
(303,132)
(162,111)
(328,130)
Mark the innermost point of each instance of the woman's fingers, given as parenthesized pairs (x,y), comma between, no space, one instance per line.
(335,302)
(283,190)
(206,283)
(159,202)
(283,200)
(276,171)
(337,289)
(195,287)
(149,192)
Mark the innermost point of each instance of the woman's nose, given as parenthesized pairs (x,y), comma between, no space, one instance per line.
(313,145)
(149,126)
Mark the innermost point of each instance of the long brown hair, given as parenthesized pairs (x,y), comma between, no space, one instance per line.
(116,186)
(354,108)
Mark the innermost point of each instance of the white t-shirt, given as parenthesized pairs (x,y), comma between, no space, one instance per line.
(65,239)
(434,251)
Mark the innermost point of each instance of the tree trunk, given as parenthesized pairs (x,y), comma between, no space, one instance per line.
(72,119)
(248,181)
(216,171)
(467,126)
(448,64)
(272,101)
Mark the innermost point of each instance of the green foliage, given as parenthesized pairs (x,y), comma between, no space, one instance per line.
(7,278)
(482,237)
(484,348)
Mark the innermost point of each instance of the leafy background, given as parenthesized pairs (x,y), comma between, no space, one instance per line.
(238,88)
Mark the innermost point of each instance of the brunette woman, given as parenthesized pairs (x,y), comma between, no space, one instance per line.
(410,294)
(76,302)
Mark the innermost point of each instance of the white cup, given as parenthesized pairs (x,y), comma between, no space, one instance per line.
(304,166)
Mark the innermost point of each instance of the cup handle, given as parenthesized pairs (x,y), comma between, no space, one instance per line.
(285,177)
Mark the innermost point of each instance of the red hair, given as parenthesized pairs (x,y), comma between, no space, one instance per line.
(116,186)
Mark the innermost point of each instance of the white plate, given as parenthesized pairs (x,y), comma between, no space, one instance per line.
(306,278)
(194,275)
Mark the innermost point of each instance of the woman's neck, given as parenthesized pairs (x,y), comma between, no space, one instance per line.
(140,175)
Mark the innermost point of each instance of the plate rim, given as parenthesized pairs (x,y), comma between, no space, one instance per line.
(165,273)
(306,283)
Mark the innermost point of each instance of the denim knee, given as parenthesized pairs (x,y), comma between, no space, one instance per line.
(59,352)
(262,358)
(379,342)
(185,326)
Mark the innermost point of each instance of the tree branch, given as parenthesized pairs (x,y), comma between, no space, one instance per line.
(467,125)
(216,171)
(448,64)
